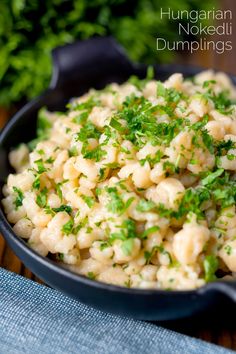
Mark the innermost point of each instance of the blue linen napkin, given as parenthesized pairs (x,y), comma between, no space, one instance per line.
(37,319)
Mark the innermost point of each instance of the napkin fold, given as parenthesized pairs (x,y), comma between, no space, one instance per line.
(37,319)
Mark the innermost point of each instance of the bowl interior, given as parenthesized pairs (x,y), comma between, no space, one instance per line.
(22,128)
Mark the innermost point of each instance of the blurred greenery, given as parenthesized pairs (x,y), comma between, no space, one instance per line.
(29,29)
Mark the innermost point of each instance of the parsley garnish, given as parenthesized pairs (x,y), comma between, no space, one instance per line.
(73,151)
(40,166)
(127,246)
(91,275)
(90,201)
(207,83)
(222,147)
(116,204)
(212,177)
(96,154)
(145,205)
(63,207)
(210,265)
(41,198)
(148,255)
(228,250)
(19,197)
(88,131)
(36,183)
(117,125)
(68,227)
(149,231)
(58,189)
(127,230)
(60,257)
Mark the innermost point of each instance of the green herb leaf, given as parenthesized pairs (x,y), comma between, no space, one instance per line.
(207,83)
(210,265)
(40,166)
(60,257)
(145,205)
(161,90)
(81,118)
(96,154)
(90,201)
(58,189)
(41,198)
(212,177)
(127,246)
(68,227)
(63,207)
(149,231)
(116,125)
(36,183)
(116,204)
(19,197)
(73,151)
(88,131)
(91,275)
(228,250)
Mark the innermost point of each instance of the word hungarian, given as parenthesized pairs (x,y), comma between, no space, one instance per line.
(195,16)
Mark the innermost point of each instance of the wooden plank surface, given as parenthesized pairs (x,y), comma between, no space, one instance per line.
(222,333)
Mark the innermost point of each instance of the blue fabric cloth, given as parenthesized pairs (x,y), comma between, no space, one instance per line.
(37,319)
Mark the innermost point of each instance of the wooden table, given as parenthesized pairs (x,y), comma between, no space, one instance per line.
(221,332)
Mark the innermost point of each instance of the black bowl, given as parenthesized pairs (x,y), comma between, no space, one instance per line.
(78,67)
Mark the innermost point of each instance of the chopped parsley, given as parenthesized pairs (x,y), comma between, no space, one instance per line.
(210,265)
(91,275)
(81,118)
(68,227)
(104,245)
(207,83)
(41,198)
(87,105)
(212,177)
(96,154)
(149,231)
(63,207)
(36,183)
(127,246)
(60,257)
(88,131)
(222,147)
(148,255)
(90,201)
(40,165)
(58,189)
(19,197)
(140,83)
(228,250)
(116,203)
(127,230)
(116,125)
(73,151)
